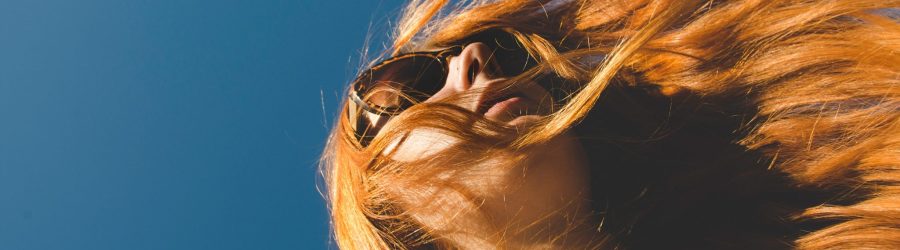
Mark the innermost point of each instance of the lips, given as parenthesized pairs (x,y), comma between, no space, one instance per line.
(508,106)
(523,100)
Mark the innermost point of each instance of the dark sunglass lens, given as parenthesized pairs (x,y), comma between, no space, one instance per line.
(404,82)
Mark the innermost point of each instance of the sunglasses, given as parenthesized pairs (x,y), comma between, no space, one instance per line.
(393,85)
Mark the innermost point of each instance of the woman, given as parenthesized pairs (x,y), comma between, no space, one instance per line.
(637,124)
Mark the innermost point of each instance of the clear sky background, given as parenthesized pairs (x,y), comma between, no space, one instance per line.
(171,124)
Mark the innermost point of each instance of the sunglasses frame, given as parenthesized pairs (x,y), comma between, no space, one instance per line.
(357,105)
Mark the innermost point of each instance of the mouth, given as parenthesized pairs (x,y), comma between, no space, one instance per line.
(508,107)
(522,100)
(513,106)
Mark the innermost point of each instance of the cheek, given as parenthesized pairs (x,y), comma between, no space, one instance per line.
(419,145)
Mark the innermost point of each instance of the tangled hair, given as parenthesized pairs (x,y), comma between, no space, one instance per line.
(735,123)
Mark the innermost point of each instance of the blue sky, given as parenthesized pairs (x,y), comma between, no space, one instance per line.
(171,124)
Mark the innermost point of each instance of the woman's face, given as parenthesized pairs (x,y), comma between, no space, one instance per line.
(533,200)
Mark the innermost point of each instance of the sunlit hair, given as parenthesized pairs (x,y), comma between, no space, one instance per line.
(813,88)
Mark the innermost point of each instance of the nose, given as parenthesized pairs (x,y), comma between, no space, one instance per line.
(472,68)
